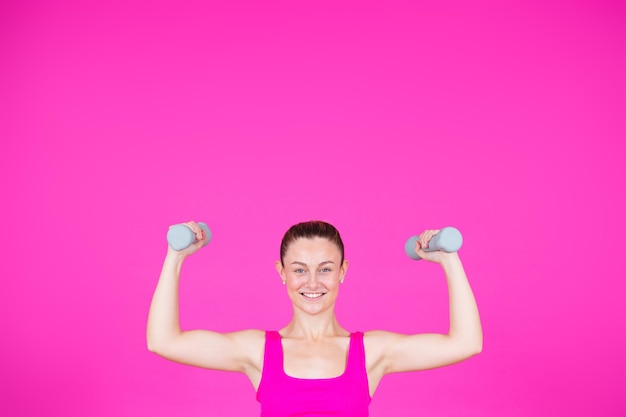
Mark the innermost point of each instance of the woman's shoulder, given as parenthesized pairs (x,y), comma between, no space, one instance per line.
(377,341)
(380,335)
(251,344)
(248,334)
(250,339)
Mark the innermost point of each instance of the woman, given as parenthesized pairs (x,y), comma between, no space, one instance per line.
(313,366)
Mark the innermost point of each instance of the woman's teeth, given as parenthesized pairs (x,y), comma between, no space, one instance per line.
(312,294)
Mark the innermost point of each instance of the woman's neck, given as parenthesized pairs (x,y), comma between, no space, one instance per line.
(313,327)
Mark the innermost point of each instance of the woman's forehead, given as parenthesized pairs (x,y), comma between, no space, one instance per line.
(314,248)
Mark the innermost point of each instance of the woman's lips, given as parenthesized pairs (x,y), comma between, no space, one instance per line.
(312,295)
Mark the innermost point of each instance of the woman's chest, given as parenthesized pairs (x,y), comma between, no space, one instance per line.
(307,360)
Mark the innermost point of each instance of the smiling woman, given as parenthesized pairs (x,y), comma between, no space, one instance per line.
(312,266)
(313,366)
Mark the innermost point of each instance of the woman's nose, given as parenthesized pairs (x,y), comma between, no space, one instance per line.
(312,281)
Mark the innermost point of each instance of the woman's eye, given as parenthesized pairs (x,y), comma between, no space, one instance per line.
(325,269)
(299,271)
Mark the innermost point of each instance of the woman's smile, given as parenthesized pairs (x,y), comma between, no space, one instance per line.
(313,296)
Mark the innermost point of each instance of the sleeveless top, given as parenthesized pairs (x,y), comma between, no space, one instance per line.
(281,395)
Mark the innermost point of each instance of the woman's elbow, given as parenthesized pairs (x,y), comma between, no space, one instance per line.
(151,347)
(470,347)
(155,345)
(476,347)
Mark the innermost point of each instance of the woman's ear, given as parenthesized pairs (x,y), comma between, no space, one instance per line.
(344,269)
(281,271)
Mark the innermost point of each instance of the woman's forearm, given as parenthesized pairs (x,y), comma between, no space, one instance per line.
(465,326)
(163,320)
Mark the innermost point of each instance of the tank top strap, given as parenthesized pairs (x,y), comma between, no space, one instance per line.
(270,375)
(356,355)
(273,357)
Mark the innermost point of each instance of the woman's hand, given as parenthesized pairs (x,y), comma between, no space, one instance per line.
(191,249)
(437,256)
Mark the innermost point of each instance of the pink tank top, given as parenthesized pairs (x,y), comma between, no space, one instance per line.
(281,395)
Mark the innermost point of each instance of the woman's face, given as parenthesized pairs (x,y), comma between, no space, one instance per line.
(312,270)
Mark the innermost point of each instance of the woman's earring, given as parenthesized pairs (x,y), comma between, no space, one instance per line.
(341,281)
(284,282)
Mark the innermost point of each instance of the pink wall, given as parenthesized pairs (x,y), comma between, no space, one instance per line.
(383,118)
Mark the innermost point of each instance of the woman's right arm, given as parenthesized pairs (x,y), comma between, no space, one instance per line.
(238,351)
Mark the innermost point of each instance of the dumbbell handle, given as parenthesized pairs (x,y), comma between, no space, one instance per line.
(449,239)
(181,236)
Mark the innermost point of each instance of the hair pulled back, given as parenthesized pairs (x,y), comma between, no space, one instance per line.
(310,230)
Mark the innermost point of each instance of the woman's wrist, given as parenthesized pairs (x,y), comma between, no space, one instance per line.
(450,261)
(174,259)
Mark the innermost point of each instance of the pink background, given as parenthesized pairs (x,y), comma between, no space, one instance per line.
(504,119)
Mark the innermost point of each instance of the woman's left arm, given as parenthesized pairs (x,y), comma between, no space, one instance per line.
(401,353)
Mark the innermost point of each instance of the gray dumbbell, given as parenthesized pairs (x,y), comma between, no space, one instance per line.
(449,239)
(180,236)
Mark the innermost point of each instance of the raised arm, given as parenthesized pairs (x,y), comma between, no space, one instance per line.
(392,352)
(239,351)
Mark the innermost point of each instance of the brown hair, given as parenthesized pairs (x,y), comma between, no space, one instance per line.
(310,230)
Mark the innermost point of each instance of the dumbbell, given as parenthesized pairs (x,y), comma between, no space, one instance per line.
(180,236)
(449,239)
